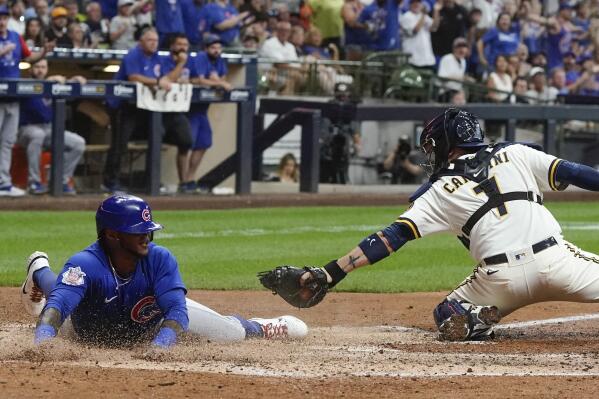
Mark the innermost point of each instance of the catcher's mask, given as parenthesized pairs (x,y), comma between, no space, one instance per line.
(453,128)
(125,214)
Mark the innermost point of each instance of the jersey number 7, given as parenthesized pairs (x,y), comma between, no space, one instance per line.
(490,187)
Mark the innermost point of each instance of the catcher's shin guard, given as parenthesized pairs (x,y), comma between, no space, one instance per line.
(463,321)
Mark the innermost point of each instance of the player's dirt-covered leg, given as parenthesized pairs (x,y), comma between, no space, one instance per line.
(214,326)
(39,281)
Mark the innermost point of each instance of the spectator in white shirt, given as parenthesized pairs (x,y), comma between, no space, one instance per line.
(453,66)
(122,27)
(417,26)
(283,76)
(539,91)
(16,22)
(278,47)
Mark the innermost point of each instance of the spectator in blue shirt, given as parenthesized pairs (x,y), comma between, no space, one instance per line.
(36,133)
(583,21)
(502,39)
(571,68)
(12,50)
(141,64)
(381,18)
(109,8)
(192,13)
(313,46)
(169,19)
(222,19)
(210,71)
(355,35)
(560,33)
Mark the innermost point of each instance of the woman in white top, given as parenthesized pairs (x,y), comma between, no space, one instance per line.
(500,79)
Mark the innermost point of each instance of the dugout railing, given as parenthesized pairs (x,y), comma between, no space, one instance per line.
(507,114)
(60,93)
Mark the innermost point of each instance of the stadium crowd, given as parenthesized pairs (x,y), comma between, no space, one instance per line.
(522,50)
(549,46)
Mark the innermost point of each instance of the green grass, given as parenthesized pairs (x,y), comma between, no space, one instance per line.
(225,249)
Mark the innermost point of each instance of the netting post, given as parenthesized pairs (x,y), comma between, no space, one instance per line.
(57,146)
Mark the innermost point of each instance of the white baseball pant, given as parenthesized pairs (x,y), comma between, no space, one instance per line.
(562,272)
(9,124)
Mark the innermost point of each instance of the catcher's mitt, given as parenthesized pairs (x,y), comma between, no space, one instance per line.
(285,281)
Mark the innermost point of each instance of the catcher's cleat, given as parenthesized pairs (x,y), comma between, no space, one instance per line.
(476,324)
(31,295)
(282,327)
(487,315)
(455,328)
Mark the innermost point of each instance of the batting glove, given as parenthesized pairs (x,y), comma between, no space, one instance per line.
(165,338)
(44,332)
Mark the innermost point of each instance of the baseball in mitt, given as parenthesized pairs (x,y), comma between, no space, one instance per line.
(286,281)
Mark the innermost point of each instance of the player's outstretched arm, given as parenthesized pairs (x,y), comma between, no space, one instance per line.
(172,304)
(370,250)
(579,175)
(48,325)
(62,301)
(306,287)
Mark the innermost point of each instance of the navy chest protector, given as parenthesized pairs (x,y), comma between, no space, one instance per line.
(477,170)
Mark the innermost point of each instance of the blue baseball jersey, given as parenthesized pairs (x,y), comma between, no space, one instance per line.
(107,309)
(321,53)
(213,14)
(9,62)
(355,36)
(136,62)
(109,8)
(385,21)
(192,13)
(204,67)
(189,70)
(557,45)
(498,42)
(201,131)
(169,17)
(35,111)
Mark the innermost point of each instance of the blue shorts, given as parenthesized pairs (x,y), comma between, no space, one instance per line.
(201,132)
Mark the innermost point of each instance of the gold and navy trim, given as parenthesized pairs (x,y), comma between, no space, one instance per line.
(578,254)
(411,225)
(553,183)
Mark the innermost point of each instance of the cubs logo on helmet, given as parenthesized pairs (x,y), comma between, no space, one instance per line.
(146,215)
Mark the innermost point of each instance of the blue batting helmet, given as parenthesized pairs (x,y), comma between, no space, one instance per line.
(126,214)
(453,128)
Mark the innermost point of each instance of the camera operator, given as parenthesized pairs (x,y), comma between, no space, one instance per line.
(404,164)
(340,138)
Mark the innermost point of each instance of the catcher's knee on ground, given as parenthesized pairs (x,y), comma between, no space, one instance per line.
(464,321)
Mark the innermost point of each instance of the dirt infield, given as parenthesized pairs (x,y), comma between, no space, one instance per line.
(360,345)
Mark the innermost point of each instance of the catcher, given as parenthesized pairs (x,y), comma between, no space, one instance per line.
(490,196)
